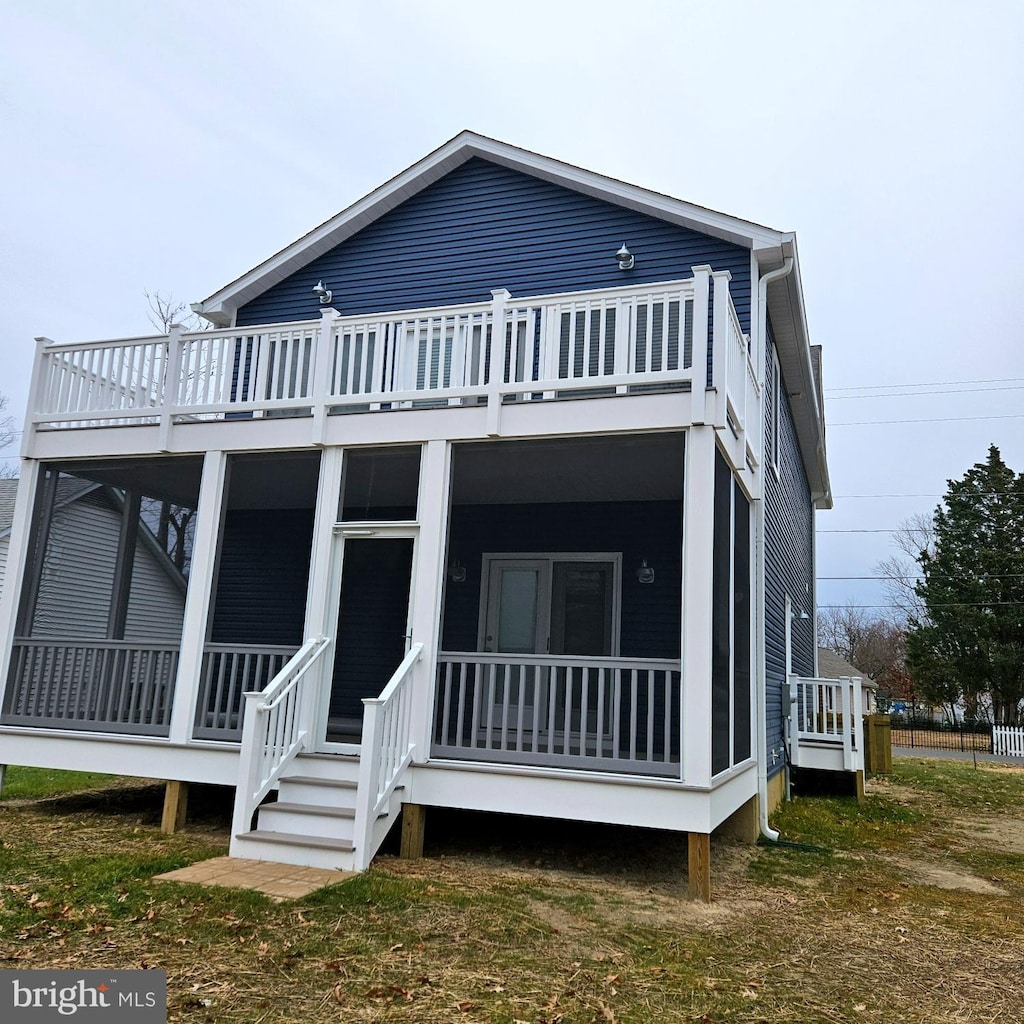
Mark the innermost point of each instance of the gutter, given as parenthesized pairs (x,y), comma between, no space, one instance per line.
(760,701)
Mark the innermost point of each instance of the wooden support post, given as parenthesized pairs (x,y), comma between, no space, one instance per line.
(175,806)
(414,820)
(742,824)
(859,787)
(698,848)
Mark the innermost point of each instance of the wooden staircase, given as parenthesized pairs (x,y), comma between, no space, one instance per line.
(312,823)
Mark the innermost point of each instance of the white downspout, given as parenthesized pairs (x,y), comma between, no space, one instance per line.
(759,689)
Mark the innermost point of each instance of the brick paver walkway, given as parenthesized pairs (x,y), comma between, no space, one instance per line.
(281,881)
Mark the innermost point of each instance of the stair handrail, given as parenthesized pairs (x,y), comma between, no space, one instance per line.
(386,750)
(272,732)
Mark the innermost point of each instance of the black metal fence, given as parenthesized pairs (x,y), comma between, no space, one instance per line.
(926,734)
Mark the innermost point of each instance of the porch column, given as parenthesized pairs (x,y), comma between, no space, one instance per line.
(199,599)
(698,579)
(17,559)
(320,567)
(428,581)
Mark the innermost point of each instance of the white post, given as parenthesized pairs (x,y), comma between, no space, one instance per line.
(496,367)
(17,559)
(428,581)
(171,385)
(250,756)
(35,395)
(318,596)
(846,705)
(199,598)
(703,409)
(720,354)
(369,781)
(320,384)
(697,594)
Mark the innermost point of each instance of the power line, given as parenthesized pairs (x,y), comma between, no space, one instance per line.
(934,419)
(926,384)
(949,604)
(979,494)
(915,394)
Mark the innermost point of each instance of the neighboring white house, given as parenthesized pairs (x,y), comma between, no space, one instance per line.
(502,484)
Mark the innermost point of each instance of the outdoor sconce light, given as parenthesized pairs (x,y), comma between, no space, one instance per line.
(457,572)
(644,574)
(799,616)
(322,293)
(625,258)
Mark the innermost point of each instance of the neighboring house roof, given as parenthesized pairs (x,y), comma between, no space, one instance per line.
(832,666)
(785,296)
(68,490)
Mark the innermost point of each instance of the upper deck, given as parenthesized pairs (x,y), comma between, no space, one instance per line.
(657,356)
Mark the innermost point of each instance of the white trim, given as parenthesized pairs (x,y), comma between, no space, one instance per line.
(223,304)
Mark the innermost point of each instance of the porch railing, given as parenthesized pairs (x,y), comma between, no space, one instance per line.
(116,686)
(228,671)
(827,711)
(386,751)
(600,714)
(272,732)
(613,341)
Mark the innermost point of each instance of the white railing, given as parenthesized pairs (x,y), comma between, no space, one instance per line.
(613,341)
(272,732)
(619,715)
(386,750)
(1008,741)
(101,382)
(827,711)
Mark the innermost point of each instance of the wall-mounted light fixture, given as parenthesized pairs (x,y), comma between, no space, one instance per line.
(644,573)
(625,258)
(457,572)
(798,615)
(322,293)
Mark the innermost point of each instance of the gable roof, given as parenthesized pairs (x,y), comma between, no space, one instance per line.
(67,491)
(832,666)
(784,296)
(221,305)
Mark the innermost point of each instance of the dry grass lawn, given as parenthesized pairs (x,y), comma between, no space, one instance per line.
(911,911)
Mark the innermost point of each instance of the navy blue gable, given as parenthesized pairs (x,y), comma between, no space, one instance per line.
(483,227)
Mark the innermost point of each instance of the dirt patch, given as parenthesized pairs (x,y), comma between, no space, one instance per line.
(928,873)
(1004,834)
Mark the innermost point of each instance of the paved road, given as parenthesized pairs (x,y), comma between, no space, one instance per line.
(957,755)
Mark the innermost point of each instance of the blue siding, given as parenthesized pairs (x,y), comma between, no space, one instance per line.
(484,226)
(789,565)
(650,625)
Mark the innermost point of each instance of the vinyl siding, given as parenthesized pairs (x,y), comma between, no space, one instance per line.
(788,543)
(650,622)
(262,578)
(78,574)
(483,227)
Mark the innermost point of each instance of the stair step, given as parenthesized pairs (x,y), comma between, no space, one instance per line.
(315,780)
(321,810)
(292,839)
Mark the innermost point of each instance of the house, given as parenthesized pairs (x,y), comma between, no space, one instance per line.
(502,486)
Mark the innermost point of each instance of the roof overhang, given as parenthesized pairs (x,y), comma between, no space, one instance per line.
(801,375)
(220,307)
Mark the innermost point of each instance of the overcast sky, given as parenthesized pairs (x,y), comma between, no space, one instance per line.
(174,145)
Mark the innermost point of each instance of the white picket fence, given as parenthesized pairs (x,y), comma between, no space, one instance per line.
(1008,741)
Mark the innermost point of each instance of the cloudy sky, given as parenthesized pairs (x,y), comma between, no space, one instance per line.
(173,145)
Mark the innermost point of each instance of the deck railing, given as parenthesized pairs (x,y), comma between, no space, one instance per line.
(614,341)
(228,671)
(94,685)
(827,712)
(386,750)
(601,714)
(272,732)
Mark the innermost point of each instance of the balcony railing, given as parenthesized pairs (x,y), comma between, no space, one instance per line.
(599,714)
(94,685)
(618,341)
(826,728)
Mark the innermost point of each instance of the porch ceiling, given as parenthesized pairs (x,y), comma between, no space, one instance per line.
(619,468)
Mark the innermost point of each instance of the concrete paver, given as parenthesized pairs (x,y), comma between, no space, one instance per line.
(280,881)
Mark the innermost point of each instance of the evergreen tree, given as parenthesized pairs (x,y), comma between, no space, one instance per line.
(970,641)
